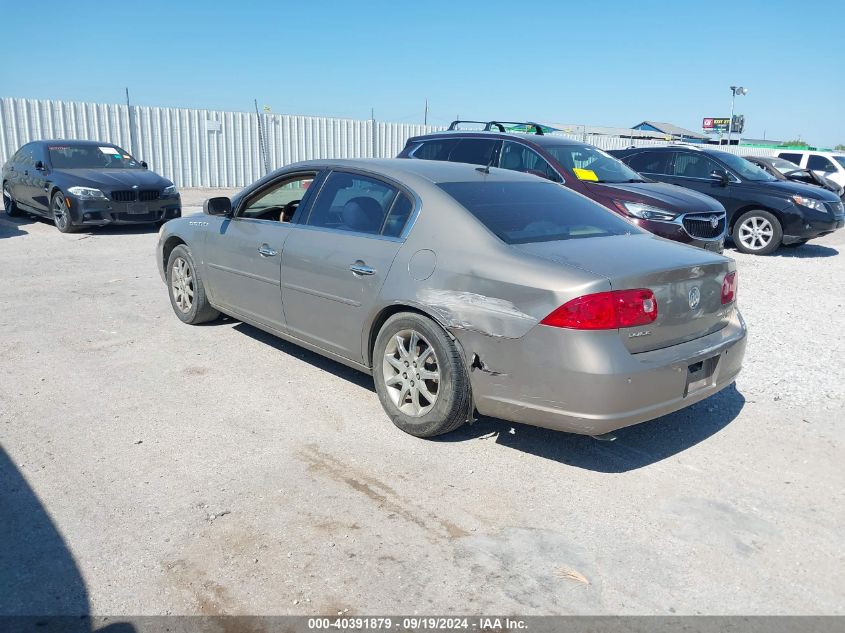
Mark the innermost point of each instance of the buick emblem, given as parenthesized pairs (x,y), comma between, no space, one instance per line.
(714,221)
(694,297)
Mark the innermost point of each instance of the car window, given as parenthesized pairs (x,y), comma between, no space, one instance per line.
(650,162)
(476,151)
(280,201)
(349,202)
(839,159)
(746,169)
(435,149)
(398,217)
(523,212)
(693,165)
(819,163)
(27,156)
(518,157)
(792,158)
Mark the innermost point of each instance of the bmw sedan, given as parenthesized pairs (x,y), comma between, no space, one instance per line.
(80,184)
(464,289)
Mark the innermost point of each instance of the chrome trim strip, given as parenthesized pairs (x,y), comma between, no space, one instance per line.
(242,273)
(322,295)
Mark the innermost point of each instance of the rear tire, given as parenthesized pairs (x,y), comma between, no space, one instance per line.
(420,376)
(9,204)
(61,214)
(757,233)
(186,290)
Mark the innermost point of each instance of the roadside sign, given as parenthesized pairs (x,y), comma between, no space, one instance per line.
(721,124)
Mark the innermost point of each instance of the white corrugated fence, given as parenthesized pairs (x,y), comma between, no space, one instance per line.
(212,148)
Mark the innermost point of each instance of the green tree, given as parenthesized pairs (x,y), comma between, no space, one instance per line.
(796,142)
(840,147)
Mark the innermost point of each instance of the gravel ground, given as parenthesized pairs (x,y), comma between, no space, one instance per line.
(149,467)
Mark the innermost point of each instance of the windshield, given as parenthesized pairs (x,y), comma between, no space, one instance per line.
(591,163)
(523,212)
(785,166)
(91,157)
(840,160)
(746,169)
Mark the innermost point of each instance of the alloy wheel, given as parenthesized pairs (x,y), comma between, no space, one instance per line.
(756,233)
(411,373)
(182,284)
(60,214)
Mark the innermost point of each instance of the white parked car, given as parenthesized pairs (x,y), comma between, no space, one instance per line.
(831,165)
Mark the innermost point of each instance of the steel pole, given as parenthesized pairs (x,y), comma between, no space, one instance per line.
(731,120)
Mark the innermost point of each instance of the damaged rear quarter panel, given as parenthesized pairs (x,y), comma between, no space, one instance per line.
(479,285)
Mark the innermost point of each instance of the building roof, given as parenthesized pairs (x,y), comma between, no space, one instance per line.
(674,130)
(577,128)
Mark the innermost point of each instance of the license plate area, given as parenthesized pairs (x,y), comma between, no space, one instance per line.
(700,375)
(136,208)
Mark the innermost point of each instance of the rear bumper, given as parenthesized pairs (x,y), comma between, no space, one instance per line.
(105,212)
(588,382)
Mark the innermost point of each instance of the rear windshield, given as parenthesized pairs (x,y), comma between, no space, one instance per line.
(523,212)
(71,156)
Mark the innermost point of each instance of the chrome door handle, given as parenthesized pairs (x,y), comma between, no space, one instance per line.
(362,269)
(266,251)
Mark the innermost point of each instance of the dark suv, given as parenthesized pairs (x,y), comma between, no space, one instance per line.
(668,211)
(763,212)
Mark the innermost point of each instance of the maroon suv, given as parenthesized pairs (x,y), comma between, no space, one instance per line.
(666,210)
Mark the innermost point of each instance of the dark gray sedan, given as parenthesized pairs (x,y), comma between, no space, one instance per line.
(79,184)
(463,289)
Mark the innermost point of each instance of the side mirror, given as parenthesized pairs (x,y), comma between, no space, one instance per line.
(144,164)
(39,166)
(720,176)
(218,206)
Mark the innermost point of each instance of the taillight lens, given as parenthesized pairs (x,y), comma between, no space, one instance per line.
(729,288)
(606,311)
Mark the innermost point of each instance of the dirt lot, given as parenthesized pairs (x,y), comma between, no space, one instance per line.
(149,467)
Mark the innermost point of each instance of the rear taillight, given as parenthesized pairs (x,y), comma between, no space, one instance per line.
(729,288)
(606,311)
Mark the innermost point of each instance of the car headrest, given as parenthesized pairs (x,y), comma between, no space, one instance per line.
(363,214)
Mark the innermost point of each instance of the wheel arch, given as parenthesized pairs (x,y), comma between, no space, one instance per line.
(395,308)
(170,243)
(754,207)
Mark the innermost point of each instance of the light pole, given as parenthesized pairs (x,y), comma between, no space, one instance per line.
(735,90)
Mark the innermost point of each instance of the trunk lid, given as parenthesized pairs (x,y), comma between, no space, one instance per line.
(686,281)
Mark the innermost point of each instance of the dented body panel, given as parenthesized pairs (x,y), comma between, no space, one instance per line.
(491,298)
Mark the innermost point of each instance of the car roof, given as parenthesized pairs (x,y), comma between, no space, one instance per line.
(543,140)
(431,170)
(73,141)
(786,150)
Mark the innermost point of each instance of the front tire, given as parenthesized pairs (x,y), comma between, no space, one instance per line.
(420,376)
(757,233)
(186,289)
(9,203)
(61,214)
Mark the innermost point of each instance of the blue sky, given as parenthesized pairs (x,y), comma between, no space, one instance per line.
(600,63)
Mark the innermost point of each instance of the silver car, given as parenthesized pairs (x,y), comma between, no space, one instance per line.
(464,289)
